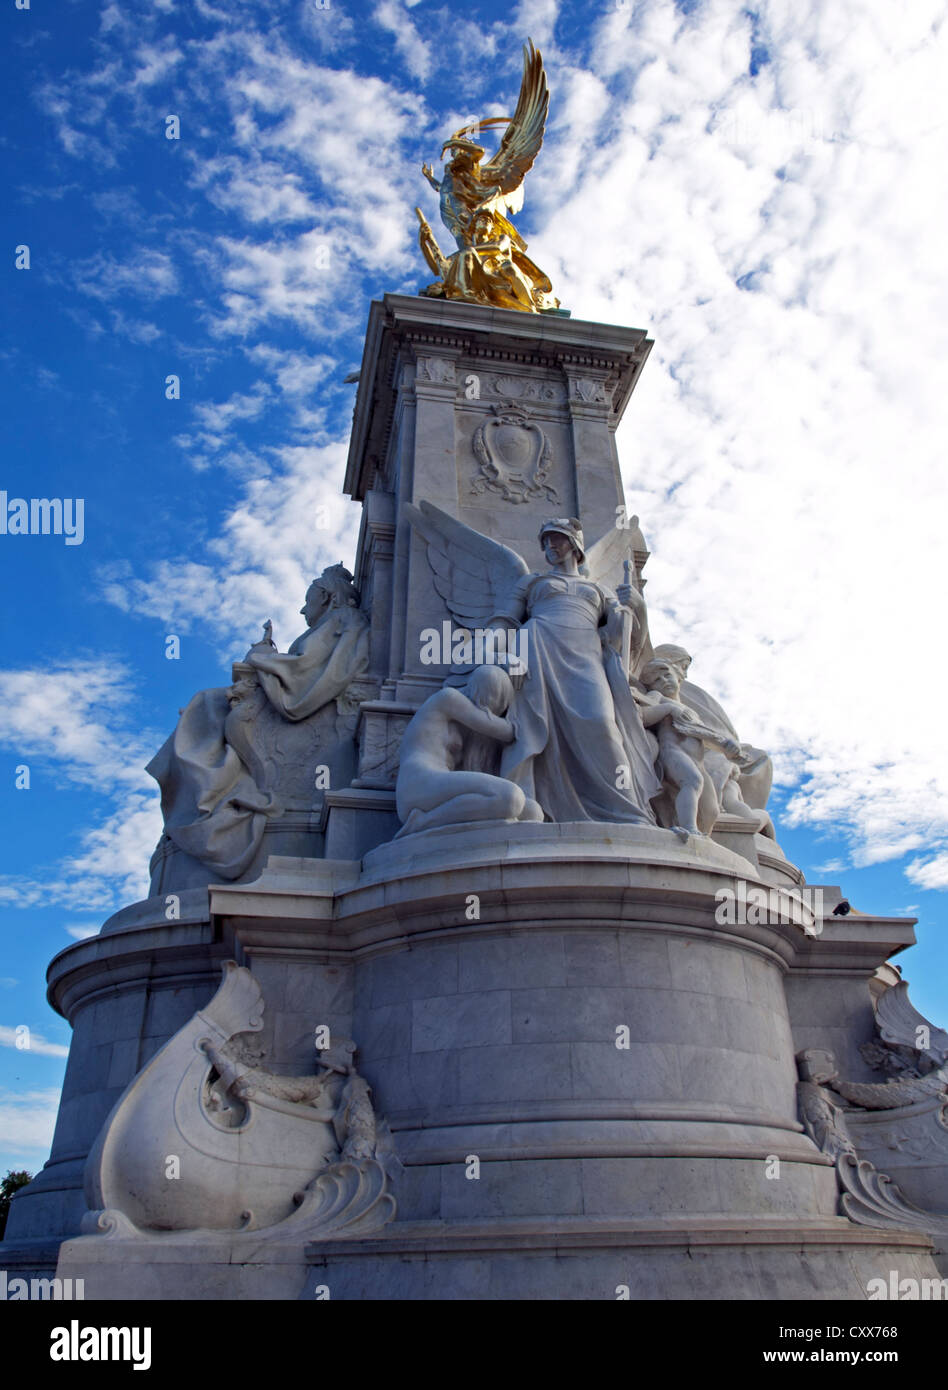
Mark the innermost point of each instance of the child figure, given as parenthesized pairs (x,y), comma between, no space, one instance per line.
(681,742)
(433,788)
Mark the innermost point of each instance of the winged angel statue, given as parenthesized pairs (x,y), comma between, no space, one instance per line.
(491,265)
(579,745)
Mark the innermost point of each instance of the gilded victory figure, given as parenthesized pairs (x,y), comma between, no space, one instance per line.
(491,265)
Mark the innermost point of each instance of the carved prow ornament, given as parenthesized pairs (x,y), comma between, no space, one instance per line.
(206,1141)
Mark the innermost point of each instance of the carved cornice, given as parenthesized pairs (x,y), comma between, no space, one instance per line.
(403,326)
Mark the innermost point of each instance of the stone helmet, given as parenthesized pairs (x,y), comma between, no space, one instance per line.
(566,526)
(675,656)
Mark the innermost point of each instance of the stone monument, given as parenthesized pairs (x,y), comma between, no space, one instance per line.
(521,997)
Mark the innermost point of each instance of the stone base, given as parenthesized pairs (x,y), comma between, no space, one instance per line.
(588,1260)
(564,1260)
(29,1259)
(558,1001)
(179,1268)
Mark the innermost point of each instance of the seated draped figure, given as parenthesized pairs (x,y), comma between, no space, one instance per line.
(219,785)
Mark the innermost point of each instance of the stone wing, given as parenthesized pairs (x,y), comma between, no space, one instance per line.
(473,574)
(604,560)
(900,1022)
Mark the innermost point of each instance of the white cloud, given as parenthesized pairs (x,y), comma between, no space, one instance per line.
(74,718)
(73,713)
(536,19)
(243,405)
(75,120)
(155,61)
(110,869)
(408,42)
(28,1119)
(327,25)
(38,1045)
(81,932)
(295,279)
(270,547)
(116,852)
(258,190)
(137,331)
(299,125)
(295,373)
(930,873)
(150,275)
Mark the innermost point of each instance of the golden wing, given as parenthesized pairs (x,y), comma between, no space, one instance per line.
(523,136)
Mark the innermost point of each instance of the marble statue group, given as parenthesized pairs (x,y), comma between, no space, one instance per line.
(585,736)
(585,722)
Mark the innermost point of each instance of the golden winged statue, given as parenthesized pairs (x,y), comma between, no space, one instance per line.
(490,265)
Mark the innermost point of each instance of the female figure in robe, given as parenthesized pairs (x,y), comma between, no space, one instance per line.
(580,747)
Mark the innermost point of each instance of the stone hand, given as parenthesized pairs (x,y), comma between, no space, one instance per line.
(629,596)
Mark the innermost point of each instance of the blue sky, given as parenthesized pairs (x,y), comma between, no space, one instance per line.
(763,189)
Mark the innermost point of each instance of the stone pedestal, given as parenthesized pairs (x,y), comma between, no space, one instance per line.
(590,1082)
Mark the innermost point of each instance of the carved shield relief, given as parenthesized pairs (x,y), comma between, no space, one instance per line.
(514,456)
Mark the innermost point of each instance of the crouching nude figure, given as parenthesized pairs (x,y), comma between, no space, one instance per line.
(444,742)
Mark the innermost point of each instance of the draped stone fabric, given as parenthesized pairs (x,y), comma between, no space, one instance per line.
(580,749)
(213,807)
(318,666)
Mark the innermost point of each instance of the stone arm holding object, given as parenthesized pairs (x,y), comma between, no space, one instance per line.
(681,740)
(248,1082)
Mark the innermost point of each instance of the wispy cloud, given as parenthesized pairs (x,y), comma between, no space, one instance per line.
(149,275)
(929,873)
(411,47)
(81,932)
(74,718)
(27,1121)
(74,713)
(249,578)
(30,1042)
